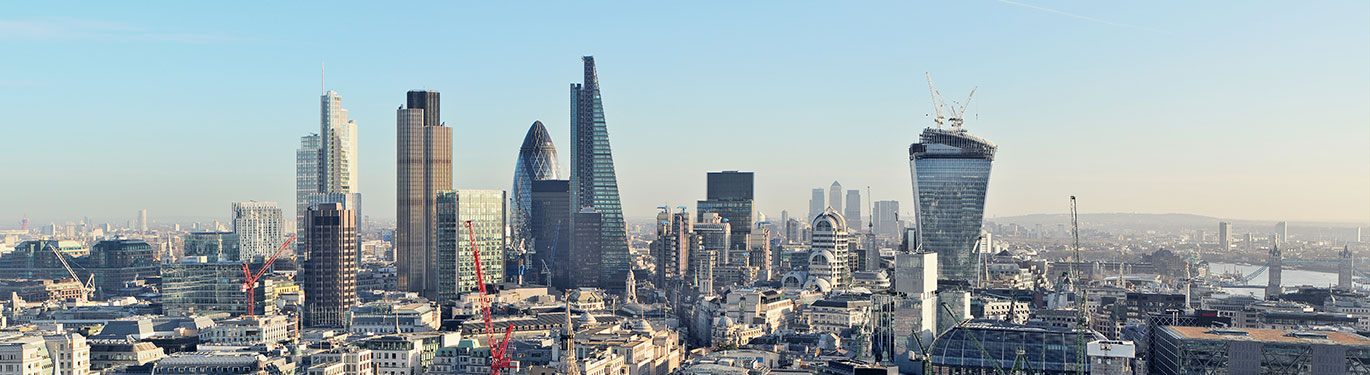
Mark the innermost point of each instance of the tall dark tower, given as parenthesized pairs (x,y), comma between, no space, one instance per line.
(330,274)
(1272,287)
(730,194)
(593,182)
(424,168)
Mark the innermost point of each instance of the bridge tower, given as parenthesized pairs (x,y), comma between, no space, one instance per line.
(1272,288)
(1344,267)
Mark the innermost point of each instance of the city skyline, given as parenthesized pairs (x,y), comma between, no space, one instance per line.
(1052,149)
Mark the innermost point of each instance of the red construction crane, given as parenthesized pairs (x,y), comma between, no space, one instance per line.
(250,279)
(497,360)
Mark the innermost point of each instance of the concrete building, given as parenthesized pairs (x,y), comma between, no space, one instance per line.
(1189,350)
(1111,357)
(258,226)
(424,168)
(353,360)
(110,353)
(248,331)
(223,363)
(330,275)
(385,317)
(838,315)
(828,259)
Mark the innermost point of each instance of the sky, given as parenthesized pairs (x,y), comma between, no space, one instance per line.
(1234,109)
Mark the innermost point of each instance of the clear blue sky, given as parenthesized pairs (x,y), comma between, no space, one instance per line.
(1241,109)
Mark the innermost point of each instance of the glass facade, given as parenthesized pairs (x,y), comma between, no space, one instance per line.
(537,161)
(980,346)
(730,196)
(950,170)
(456,264)
(593,180)
(1199,350)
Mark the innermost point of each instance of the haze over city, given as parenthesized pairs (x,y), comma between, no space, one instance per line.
(1250,112)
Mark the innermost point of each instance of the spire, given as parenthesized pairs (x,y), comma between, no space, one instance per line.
(630,289)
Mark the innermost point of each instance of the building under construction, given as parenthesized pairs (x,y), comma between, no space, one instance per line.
(194,287)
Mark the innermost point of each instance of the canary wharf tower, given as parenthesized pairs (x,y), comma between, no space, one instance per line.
(950,169)
(593,182)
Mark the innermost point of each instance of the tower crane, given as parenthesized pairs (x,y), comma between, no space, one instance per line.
(497,360)
(947,115)
(87,288)
(250,279)
(1081,292)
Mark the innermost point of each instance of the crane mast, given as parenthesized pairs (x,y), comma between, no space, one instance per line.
(1081,292)
(497,360)
(250,279)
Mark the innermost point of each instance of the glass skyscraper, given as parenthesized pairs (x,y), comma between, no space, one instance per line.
(456,265)
(730,194)
(593,181)
(950,169)
(537,161)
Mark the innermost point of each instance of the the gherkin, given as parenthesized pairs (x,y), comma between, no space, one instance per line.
(537,161)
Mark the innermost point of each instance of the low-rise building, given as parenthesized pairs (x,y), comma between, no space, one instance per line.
(223,363)
(352,360)
(384,317)
(1187,350)
(838,315)
(249,330)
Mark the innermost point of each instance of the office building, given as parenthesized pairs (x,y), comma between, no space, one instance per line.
(306,179)
(828,259)
(549,226)
(835,197)
(886,217)
(424,168)
(213,246)
(115,262)
(537,161)
(852,212)
(141,224)
(1224,236)
(675,239)
(586,250)
(592,177)
(330,274)
(950,169)
(1282,231)
(338,147)
(258,225)
(816,204)
(730,195)
(1201,350)
(195,286)
(456,269)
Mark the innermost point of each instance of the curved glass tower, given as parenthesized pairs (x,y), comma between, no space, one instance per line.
(537,161)
(950,169)
(593,182)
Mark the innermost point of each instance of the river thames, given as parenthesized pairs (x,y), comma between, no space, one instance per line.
(1288,278)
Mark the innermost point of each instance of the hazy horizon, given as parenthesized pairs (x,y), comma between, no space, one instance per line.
(1256,112)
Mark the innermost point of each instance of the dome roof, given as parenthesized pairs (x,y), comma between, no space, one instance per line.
(818,284)
(826,256)
(831,218)
(587,319)
(723,321)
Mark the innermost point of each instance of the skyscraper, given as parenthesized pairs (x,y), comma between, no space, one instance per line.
(537,161)
(829,259)
(853,211)
(950,170)
(1282,230)
(258,225)
(330,274)
(729,194)
(586,249)
(549,228)
(592,177)
(338,147)
(816,204)
(835,197)
(424,155)
(142,221)
(1224,236)
(456,268)
(887,219)
(306,180)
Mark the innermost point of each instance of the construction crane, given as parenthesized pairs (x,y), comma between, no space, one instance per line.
(1081,292)
(87,288)
(250,279)
(497,360)
(947,115)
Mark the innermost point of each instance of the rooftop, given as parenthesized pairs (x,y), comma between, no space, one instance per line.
(1269,335)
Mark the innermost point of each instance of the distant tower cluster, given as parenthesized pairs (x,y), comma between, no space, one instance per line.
(326,164)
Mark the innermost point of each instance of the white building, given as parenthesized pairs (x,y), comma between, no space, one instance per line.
(836,315)
(766,308)
(828,259)
(385,317)
(258,225)
(352,360)
(249,330)
(44,354)
(1111,357)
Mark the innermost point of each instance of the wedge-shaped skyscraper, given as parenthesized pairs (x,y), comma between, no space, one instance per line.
(593,182)
(950,169)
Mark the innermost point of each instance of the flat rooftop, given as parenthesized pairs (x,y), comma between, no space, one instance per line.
(1269,335)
